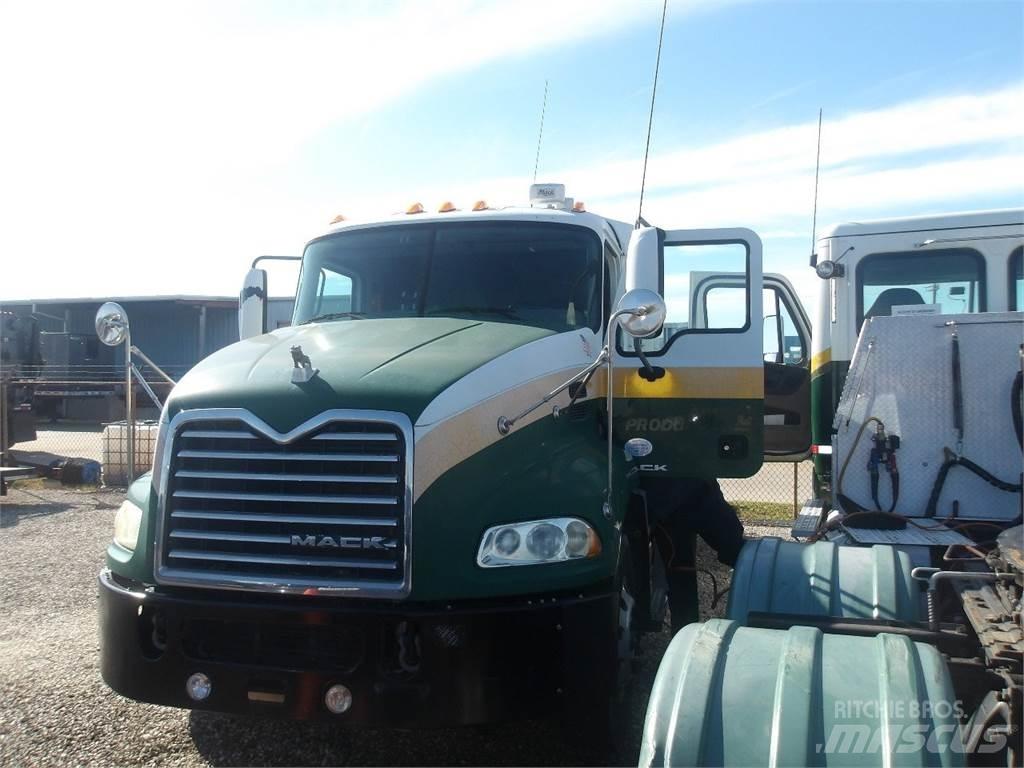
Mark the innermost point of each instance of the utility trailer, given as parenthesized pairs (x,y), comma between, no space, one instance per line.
(892,634)
(19,349)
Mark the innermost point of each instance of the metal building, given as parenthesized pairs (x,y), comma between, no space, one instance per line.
(79,376)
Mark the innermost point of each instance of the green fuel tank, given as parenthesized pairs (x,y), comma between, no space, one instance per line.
(730,695)
(823,579)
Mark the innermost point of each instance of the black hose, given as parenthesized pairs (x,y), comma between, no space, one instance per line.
(958,392)
(894,478)
(954,461)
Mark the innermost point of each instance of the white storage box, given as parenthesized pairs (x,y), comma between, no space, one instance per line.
(115,450)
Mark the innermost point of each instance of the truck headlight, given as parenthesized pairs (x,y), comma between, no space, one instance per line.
(538,541)
(126,525)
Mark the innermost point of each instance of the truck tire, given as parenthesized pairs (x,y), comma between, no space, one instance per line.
(730,695)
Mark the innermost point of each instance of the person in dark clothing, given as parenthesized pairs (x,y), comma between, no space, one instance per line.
(685,508)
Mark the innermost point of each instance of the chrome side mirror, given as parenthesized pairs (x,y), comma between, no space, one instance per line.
(252,304)
(112,324)
(641,313)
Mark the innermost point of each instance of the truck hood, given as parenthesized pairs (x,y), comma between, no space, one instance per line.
(394,364)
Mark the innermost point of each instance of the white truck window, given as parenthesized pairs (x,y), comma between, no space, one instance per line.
(951,280)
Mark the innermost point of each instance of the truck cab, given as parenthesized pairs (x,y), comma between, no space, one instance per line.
(423,502)
(943,265)
(890,632)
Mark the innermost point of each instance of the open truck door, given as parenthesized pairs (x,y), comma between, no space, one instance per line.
(785,350)
(691,397)
(787,372)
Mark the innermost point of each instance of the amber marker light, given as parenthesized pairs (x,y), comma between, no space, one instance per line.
(337,219)
(446,207)
(480,205)
(579,207)
(415,208)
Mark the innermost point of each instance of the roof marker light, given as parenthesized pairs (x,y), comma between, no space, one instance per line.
(446,207)
(337,219)
(579,207)
(480,205)
(415,208)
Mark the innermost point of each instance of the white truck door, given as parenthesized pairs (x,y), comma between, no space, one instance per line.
(700,403)
(787,372)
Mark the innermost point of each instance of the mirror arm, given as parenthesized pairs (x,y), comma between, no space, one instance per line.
(607,509)
(649,372)
(258,259)
(574,396)
(505,423)
(145,386)
(154,366)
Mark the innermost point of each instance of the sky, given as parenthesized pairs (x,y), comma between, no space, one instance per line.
(153,148)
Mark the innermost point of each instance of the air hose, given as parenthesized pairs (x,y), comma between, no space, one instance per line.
(953,460)
(883,453)
(958,393)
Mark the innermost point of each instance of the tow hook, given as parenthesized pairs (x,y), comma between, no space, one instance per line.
(408,639)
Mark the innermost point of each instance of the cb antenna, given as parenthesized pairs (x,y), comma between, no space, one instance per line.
(540,133)
(650,119)
(817,167)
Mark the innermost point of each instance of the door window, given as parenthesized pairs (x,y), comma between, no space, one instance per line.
(706,289)
(783,343)
(335,292)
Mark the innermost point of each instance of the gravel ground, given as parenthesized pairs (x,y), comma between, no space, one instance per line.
(55,710)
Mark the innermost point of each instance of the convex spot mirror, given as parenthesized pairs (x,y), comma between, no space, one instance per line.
(112,324)
(644,313)
(826,270)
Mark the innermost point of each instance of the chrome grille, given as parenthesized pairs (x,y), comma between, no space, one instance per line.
(325,507)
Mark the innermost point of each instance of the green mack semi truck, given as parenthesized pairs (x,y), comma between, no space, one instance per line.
(423,503)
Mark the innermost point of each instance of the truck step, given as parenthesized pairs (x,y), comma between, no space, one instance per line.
(806,523)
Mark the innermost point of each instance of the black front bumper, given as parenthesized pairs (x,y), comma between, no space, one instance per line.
(406,665)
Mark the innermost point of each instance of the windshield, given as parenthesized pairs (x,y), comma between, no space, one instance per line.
(546,275)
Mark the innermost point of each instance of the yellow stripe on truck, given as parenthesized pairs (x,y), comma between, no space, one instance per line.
(710,383)
(820,360)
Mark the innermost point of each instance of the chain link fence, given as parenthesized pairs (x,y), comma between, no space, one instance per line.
(773,494)
(79,418)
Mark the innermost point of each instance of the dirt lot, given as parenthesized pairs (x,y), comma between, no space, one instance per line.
(55,710)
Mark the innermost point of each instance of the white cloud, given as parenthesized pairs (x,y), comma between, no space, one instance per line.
(143,145)
(939,153)
(142,137)
(869,137)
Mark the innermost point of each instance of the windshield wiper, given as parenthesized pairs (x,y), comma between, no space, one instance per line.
(336,316)
(503,311)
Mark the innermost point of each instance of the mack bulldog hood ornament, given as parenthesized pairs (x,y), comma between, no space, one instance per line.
(303,369)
